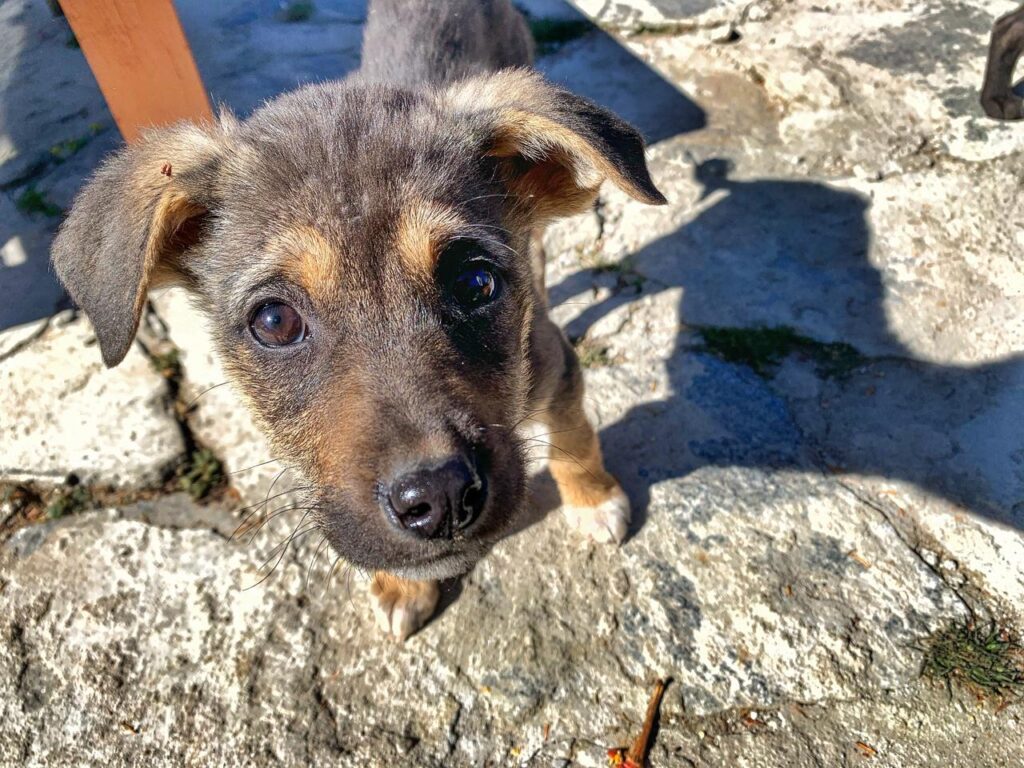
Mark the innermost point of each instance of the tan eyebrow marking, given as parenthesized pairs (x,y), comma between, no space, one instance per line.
(308,259)
(423,228)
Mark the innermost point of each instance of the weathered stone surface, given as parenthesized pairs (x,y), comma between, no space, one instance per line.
(64,413)
(799,530)
(746,587)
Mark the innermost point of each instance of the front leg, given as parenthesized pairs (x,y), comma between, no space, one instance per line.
(997,96)
(593,502)
(402,606)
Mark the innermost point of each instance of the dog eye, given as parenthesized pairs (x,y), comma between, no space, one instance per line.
(277,325)
(475,286)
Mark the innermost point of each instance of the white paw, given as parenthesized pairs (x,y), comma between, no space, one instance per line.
(606,523)
(401,609)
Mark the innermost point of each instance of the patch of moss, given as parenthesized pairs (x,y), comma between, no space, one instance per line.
(297,10)
(34,201)
(69,147)
(201,474)
(68,500)
(592,354)
(656,29)
(167,363)
(552,34)
(984,660)
(65,149)
(763,349)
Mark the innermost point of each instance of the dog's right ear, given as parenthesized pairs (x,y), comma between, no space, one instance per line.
(130,225)
(553,148)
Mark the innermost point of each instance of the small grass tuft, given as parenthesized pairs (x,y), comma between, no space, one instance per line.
(627,277)
(552,34)
(34,201)
(167,363)
(67,501)
(201,474)
(70,147)
(65,149)
(592,354)
(763,349)
(297,10)
(985,660)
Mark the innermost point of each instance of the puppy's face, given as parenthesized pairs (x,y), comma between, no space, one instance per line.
(365,281)
(362,255)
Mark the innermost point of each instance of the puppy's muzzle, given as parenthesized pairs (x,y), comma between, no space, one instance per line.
(436,502)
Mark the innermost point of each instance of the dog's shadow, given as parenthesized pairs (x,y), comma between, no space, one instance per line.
(794,255)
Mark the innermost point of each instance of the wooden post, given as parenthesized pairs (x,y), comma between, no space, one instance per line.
(141,60)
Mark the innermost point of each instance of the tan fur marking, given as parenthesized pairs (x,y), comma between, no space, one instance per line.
(388,584)
(422,230)
(402,606)
(308,260)
(564,172)
(593,502)
(190,146)
(173,211)
(576,463)
(335,437)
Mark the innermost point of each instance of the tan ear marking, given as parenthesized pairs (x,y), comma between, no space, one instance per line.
(555,148)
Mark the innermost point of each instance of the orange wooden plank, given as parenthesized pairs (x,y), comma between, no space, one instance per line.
(141,60)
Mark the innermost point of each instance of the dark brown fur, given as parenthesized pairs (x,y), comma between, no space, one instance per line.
(346,200)
(1005,49)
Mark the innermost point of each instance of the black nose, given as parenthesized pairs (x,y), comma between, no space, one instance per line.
(434,502)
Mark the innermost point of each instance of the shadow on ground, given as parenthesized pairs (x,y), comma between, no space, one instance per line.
(794,254)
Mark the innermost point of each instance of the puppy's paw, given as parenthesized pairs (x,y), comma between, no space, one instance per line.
(605,523)
(400,606)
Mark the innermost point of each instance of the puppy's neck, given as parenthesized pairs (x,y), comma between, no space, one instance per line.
(435,42)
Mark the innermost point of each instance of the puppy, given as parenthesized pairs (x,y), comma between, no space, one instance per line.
(362,250)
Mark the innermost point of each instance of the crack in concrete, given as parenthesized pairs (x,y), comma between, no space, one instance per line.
(974,604)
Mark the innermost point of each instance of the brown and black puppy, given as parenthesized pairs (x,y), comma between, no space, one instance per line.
(363,252)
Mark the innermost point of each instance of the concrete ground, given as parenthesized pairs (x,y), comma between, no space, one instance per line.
(807,371)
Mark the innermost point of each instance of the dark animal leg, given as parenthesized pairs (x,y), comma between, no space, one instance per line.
(997,97)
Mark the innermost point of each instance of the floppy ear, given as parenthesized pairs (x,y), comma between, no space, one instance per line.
(130,225)
(554,148)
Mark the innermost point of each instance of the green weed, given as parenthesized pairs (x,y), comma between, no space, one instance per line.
(763,349)
(34,201)
(984,660)
(201,474)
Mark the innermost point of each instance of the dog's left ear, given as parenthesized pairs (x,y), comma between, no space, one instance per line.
(554,148)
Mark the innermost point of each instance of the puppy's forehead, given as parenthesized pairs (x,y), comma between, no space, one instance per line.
(350,179)
(353,147)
